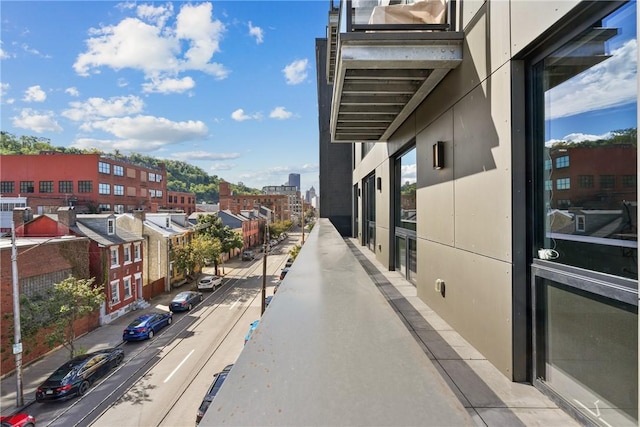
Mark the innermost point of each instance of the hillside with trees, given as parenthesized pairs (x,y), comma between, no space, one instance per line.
(181,176)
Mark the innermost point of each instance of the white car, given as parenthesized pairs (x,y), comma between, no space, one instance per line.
(209,283)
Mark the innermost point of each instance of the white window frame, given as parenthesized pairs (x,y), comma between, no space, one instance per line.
(104,167)
(127,287)
(137,251)
(115,261)
(581,223)
(111,226)
(118,170)
(127,254)
(104,188)
(118,190)
(115,291)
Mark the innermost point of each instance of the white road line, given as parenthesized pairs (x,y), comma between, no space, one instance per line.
(234,304)
(178,367)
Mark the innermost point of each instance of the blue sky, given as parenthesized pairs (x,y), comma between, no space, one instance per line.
(228,86)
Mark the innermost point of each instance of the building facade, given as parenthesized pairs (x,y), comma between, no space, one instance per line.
(91,183)
(494,177)
(278,204)
(293,197)
(181,201)
(294,180)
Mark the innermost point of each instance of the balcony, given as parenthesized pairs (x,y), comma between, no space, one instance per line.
(384,60)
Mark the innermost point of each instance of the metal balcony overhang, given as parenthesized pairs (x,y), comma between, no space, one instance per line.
(382,77)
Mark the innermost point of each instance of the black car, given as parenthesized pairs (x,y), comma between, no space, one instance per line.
(218,379)
(184,301)
(76,375)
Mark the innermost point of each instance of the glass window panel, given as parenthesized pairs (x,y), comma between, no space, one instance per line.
(593,144)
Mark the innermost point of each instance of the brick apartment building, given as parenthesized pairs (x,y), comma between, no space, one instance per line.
(278,204)
(181,201)
(92,183)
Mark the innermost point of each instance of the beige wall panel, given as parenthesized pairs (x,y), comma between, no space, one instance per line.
(477,302)
(383,197)
(486,49)
(467,11)
(530,18)
(434,198)
(482,169)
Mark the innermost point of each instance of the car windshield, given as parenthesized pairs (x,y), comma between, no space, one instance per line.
(140,321)
(181,297)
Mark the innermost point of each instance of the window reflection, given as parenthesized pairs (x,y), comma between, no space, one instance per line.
(590,154)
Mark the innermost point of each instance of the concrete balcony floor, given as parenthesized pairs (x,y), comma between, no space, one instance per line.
(347,343)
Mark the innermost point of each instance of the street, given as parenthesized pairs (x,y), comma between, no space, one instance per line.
(163,380)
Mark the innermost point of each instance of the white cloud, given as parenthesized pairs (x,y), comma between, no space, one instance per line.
(4,89)
(611,83)
(3,53)
(34,94)
(408,173)
(579,137)
(280,113)
(204,155)
(122,82)
(221,166)
(154,48)
(97,108)
(145,133)
(240,116)
(35,121)
(296,72)
(169,85)
(256,32)
(72,91)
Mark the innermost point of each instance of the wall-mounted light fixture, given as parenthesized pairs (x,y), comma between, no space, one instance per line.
(379,184)
(438,155)
(358,192)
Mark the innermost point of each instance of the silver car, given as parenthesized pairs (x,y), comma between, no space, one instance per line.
(209,283)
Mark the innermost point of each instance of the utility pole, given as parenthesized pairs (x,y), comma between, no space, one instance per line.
(264,268)
(17,346)
(302,200)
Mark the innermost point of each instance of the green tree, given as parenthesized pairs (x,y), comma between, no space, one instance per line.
(59,308)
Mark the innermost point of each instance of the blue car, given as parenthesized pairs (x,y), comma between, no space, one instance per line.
(145,326)
(252,328)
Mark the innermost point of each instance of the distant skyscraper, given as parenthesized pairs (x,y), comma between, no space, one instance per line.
(294,179)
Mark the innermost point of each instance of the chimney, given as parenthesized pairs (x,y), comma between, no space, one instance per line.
(21,216)
(67,216)
(138,222)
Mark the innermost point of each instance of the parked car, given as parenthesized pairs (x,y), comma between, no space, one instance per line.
(146,326)
(267,301)
(209,283)
(18,420)
(252,328)
(275,287)
(248,255)
(218,379)
(284,272)
(75,376)
(184,301)
(289,262)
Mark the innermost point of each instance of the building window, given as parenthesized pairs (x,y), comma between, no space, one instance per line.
(548,185)
(406,214)
(85,186)
(159,194)
(7,187)
(588,290)
(111,226)
(562,162)
(127,254)
(104,207)
(629,181)
(46,186)
(152,177)
(104,188)
(547,164)
(115,261)
(127,287)
(115,291)
(104,167)
(118,190)
(585,181)
(118,170)
(136,252)
(607,181)
(563,184)
(119,209)
(65,186)
(26,187)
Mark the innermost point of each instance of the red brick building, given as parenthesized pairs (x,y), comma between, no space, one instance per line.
(41,263)
(278,204)
(181,201)
(91,182)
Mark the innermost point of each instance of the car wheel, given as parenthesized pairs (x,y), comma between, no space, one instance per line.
(83,388)
(119,359)
(188,309)
(169,321)
(151,334)
(29,425)
(200,299)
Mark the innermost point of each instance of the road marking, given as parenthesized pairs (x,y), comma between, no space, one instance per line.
(234,304)
(178,367)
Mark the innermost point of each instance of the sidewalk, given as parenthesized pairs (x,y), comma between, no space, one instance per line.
(105,336)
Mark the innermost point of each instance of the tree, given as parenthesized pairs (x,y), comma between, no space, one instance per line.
(211,226)
(59,308)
